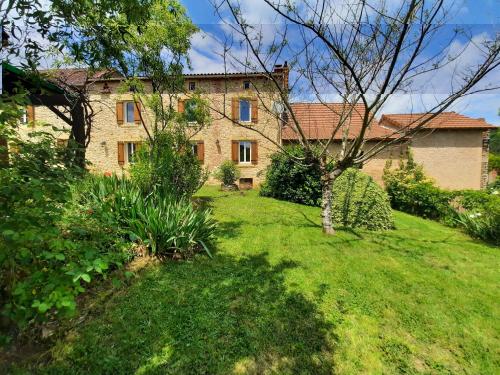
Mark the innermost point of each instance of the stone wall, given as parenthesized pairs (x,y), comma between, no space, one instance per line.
(107,133)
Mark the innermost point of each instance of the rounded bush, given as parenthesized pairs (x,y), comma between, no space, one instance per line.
(358,202)
(289,180)
(227,173)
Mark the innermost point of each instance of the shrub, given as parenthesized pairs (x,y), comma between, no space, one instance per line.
(165,224)
(171,227)
(494,162)
(227,173)
(484,225)
(289,180)
(168,165)
(359,202)
(494,187)
(410,191)
(50,247)
(472,200)
(477,212)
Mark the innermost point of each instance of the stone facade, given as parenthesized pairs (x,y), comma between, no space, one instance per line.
(107,150)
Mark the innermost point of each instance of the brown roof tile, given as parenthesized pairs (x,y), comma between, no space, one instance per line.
(77,76)
(445,120)
(318,121)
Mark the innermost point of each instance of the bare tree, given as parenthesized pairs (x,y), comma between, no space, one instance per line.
(362,52)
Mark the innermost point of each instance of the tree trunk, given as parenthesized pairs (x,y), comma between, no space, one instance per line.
(78,133)
(327,180)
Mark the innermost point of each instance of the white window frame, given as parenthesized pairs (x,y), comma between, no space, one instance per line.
(245,84)
(133,147)
(125,111)
(245,143)
(193,88)
(249,110)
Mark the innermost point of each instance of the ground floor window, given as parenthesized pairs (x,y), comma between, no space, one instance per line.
(245,152)
(131,148)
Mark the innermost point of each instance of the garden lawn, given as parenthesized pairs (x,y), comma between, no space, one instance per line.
(281,297)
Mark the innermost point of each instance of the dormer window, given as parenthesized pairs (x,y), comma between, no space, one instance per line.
(246,85)
(192,86)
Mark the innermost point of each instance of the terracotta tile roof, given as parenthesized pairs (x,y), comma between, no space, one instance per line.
(77,76)
(445,120)
(318,121)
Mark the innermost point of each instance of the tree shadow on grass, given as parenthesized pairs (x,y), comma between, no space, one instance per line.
(223,316)
(229,229)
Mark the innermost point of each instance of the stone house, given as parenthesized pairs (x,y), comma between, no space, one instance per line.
(243,129)
(246,128)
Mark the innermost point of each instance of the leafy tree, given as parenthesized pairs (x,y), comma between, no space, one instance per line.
(495,142)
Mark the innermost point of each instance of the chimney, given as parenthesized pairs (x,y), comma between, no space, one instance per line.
(284,71)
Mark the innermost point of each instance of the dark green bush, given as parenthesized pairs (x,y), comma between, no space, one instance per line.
(358,202)
(293,181)
(227,173)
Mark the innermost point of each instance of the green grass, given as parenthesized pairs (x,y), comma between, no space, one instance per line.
(280,297)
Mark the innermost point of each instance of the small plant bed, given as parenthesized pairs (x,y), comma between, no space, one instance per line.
(281,297)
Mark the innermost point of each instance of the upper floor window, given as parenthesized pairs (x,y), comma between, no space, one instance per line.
(129,112)
(245,152)
(190,111)
(245,110)
(192,86)
(246,85)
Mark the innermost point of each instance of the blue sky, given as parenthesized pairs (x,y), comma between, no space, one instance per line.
(483,14)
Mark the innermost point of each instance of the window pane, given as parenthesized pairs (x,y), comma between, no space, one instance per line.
(194,148)
(190,111)
(244,110)
(130,152)
(130,111)
(247,159)
(242,152)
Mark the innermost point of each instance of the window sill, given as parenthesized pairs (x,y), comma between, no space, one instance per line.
(246,165)
(128,125)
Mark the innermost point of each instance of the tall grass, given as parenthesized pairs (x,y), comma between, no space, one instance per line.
(165,225)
